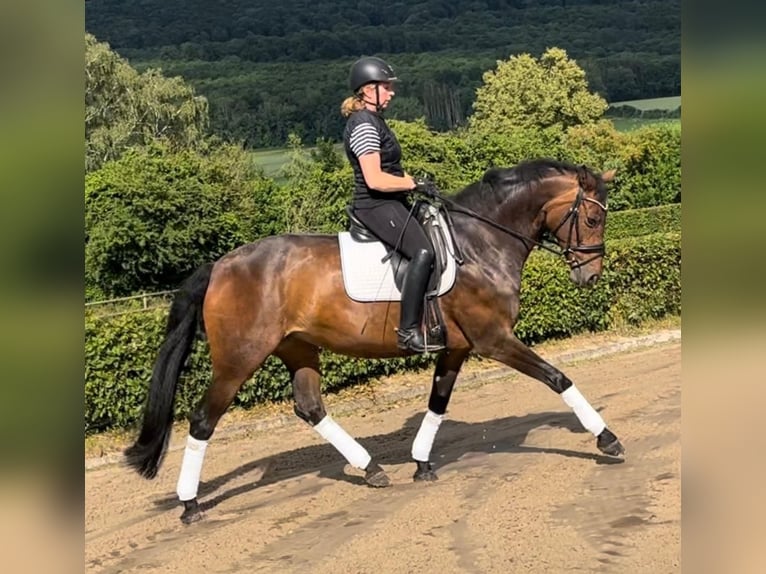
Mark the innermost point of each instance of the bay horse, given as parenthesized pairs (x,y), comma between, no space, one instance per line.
(284,295)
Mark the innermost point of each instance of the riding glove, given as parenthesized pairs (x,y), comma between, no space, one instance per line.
(426,187)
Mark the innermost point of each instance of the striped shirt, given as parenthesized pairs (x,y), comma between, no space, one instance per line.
(364,139)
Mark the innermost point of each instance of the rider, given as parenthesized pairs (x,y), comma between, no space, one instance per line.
(381,187)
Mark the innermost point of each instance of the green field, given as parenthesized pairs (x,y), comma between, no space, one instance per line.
(271,160)
(670,103)
(629,124)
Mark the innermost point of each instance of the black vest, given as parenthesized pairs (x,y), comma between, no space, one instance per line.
(390,158)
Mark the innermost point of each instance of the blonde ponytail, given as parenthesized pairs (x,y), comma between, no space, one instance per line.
(350,105)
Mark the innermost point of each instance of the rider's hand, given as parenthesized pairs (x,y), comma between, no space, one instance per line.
(426,187)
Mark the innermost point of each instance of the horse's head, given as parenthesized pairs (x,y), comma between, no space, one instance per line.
(576,218)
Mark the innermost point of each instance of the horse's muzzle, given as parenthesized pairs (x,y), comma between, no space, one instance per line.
(583,277)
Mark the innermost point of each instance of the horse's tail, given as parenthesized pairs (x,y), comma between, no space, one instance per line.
(147,453)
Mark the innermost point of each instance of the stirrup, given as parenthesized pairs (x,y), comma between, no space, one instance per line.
(436,336)
(412,340)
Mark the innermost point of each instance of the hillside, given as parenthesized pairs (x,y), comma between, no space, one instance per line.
(270,68)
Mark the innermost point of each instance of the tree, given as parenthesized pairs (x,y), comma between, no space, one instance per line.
(523,92)
(318,186)
(652,167)
(438,156)
(124,108)
(648,161)
(153,215)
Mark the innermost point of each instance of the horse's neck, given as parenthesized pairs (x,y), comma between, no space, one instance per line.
(524,217)
(521,215)
(524,212)
(483,243)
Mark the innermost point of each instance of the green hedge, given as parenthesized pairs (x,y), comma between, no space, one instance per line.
(645,221)
(641,281)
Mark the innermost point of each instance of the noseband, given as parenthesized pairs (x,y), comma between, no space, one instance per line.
(573,216)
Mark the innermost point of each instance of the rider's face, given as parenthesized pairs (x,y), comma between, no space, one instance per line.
(385,93)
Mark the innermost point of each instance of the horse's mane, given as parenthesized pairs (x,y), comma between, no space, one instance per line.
(498,183)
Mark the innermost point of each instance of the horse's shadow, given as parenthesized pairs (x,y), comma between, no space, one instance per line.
(455,439)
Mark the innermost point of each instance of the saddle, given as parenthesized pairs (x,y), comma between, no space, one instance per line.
(438,227)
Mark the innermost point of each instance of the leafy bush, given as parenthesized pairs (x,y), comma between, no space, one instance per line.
(438,156)
(496,148)
(318,188)
(596,145)
(651,161)
(648,161)
(535,93)
(154,215)
(641,280)
(644,277)
(552,306)
(646,221)
(119,355)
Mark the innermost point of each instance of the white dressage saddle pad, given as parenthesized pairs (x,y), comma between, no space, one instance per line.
(367,279)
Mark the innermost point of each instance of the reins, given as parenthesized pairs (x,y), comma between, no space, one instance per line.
(449,205)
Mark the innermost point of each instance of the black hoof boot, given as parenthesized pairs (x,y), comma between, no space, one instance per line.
(375,476)
(424,473)
(412,340)
(192,512)
(608,444)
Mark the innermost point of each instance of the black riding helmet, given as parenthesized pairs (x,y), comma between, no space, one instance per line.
(370,69)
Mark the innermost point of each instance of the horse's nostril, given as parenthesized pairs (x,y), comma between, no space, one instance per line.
(593,279)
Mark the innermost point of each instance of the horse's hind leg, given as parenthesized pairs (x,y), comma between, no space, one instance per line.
(516,354)
(229,374)
(302,360)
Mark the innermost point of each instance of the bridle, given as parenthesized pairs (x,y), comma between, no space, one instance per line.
(572,215)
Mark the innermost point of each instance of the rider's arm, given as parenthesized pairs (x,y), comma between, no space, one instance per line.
(364,142)
(379,180)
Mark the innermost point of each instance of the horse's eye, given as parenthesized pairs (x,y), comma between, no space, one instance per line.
(591,221)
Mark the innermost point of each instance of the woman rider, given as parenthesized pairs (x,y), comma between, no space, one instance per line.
(381,188)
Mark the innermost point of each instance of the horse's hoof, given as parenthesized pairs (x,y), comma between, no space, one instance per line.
(608,443)
(424,473)
(376,477)
(192,512)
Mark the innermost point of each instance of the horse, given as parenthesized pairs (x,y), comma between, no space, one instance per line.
(283,295)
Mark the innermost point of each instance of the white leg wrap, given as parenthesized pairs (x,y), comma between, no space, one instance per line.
(588,416)
(354,452)
(191,467)
(424,440)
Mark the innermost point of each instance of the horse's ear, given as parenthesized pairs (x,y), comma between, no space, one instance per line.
(608,176)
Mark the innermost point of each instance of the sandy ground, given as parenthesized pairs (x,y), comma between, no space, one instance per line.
(522,486)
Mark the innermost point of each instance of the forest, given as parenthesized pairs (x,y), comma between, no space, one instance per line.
(270,69)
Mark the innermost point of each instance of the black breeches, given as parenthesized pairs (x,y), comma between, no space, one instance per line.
(387,221)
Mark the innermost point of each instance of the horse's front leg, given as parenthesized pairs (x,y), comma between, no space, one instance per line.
(447,368)
(516,354)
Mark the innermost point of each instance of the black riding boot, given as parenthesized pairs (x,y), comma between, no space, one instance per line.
(410,333)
